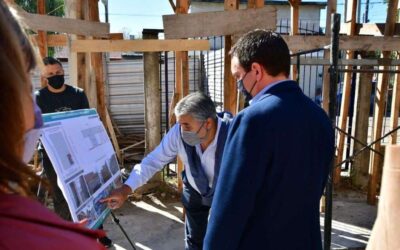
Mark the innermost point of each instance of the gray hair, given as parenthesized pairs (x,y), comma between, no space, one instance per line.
(197,105)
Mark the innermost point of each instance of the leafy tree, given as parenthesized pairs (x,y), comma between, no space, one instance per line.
(53,8)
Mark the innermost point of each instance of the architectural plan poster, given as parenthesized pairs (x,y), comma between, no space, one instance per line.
(84,160)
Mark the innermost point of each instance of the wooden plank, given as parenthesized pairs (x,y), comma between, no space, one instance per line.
(185,73)
(353,62)
(371,29)
(138,45)
(219,23)
(178,77)
(394,116)
(97,65)
(294,28)
(78,73)
(61,40)
(62,25)
(42,41)
(331,9)
(114,140)
(345,102)
(152,101)
(181,86)
(230,89)
(380,98)
(360,165)
(255,4)
(58,40)
(345,43)
(116,36)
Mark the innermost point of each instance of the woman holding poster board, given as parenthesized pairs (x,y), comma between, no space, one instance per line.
(24,222)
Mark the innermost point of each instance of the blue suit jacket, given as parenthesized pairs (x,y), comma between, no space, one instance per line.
(274,169)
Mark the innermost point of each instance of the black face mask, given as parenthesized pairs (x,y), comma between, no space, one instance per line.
(56,81)
(241,88)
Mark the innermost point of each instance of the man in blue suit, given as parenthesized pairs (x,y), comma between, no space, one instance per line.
(276,158)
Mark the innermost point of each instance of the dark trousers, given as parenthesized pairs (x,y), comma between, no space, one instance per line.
(196,218)
(60,204)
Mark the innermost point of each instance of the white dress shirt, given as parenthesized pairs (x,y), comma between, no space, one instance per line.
(171,146)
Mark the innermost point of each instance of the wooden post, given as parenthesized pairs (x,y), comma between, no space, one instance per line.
(76,61)
(294,27)
(255,4)
(230,89)
(331,8)
(42,35)
(360,165)
(240,102)
(394,117)
(97,66)
(182,79)
(380,99)
(345,102)
(152,98)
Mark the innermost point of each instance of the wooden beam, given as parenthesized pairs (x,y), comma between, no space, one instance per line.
(294,28)
(371,29)
(380,100)
(116,36)
(331,8)
(57,40)
(185,72)
(181,79)
(62,25)
(114,140)
(97,65)
(360,165)
(394,116)
(182,6)
(138,45)
(345,102)
(353,62)
(240,101)
(61,40)
(42,41)
(363,43)
(230,89)
(255,4)
(152,100)
(78,74)
(220,23)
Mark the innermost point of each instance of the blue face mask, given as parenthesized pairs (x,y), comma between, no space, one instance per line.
(247,95)
(32,136)
(191,138)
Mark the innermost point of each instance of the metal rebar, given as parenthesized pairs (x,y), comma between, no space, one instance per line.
(116,221)
(333,80)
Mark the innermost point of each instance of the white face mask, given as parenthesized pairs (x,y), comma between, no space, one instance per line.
(191,138)
(32,136)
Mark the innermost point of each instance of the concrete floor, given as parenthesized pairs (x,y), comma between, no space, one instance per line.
(153,224)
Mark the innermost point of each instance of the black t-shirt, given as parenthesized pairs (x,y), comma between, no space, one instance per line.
(71,98)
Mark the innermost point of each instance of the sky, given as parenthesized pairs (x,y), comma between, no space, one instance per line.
(132,16)
(135,15)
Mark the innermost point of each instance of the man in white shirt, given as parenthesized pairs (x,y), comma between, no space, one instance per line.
(198,139)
